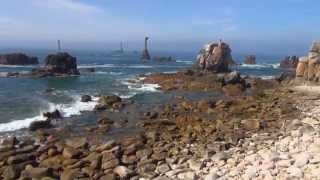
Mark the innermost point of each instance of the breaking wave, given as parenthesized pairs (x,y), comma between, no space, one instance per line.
(66,110)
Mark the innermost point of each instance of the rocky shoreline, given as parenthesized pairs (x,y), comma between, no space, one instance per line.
(251,129)
(181,139)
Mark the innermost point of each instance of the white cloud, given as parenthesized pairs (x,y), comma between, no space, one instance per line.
(67,5)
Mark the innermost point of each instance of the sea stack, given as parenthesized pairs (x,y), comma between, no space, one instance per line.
(250,59)
(145,52)
(214,57)
(57,65)
(308,67)
(17,59)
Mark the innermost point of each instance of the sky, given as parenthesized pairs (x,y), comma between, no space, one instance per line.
(249,26)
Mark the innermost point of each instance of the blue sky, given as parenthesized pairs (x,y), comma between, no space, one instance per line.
(266,26)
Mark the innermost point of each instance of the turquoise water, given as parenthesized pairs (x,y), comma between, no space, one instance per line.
(23,100)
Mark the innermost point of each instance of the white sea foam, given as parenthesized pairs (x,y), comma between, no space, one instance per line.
(17,66)
(111,73)
(267,77)
(260,66)
(184,61)
(115,66)
(145,87)
(66,110)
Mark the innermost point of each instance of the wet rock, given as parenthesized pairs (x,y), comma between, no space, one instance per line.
(106,102)
(40,125)
(53,115)
(86,98)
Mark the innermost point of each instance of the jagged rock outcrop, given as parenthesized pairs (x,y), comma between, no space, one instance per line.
(289,62)
(145,53)
(308,67)
(17,59)
(58,64)
(250,59)
(214,57)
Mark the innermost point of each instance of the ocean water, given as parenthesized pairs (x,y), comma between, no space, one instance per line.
(24,100)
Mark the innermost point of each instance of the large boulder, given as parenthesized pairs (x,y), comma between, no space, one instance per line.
(250,59)
(308,67)
(214,57)
(17,59)
(289,62)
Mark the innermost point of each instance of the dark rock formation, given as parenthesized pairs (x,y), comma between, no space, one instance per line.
(250,59)
(58,64)
(308,67)
(40,125)
(145,52)
(86,98)
(106,102)
(53,115)
(17,59)
(163,59)
(214,57)
(289,62)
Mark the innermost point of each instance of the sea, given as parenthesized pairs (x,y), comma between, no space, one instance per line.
(24,100)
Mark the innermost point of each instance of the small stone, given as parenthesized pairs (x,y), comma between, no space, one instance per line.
(122,171)
(250,172)
(310,121)
(187,175)
(110,164)
(314,148)
(301,159)
(70,153)
(295,172)
(108,145)
(10,172)
(37,172)
(77,143)
(195,165)
(284,163)
(163,168)
(70,174)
